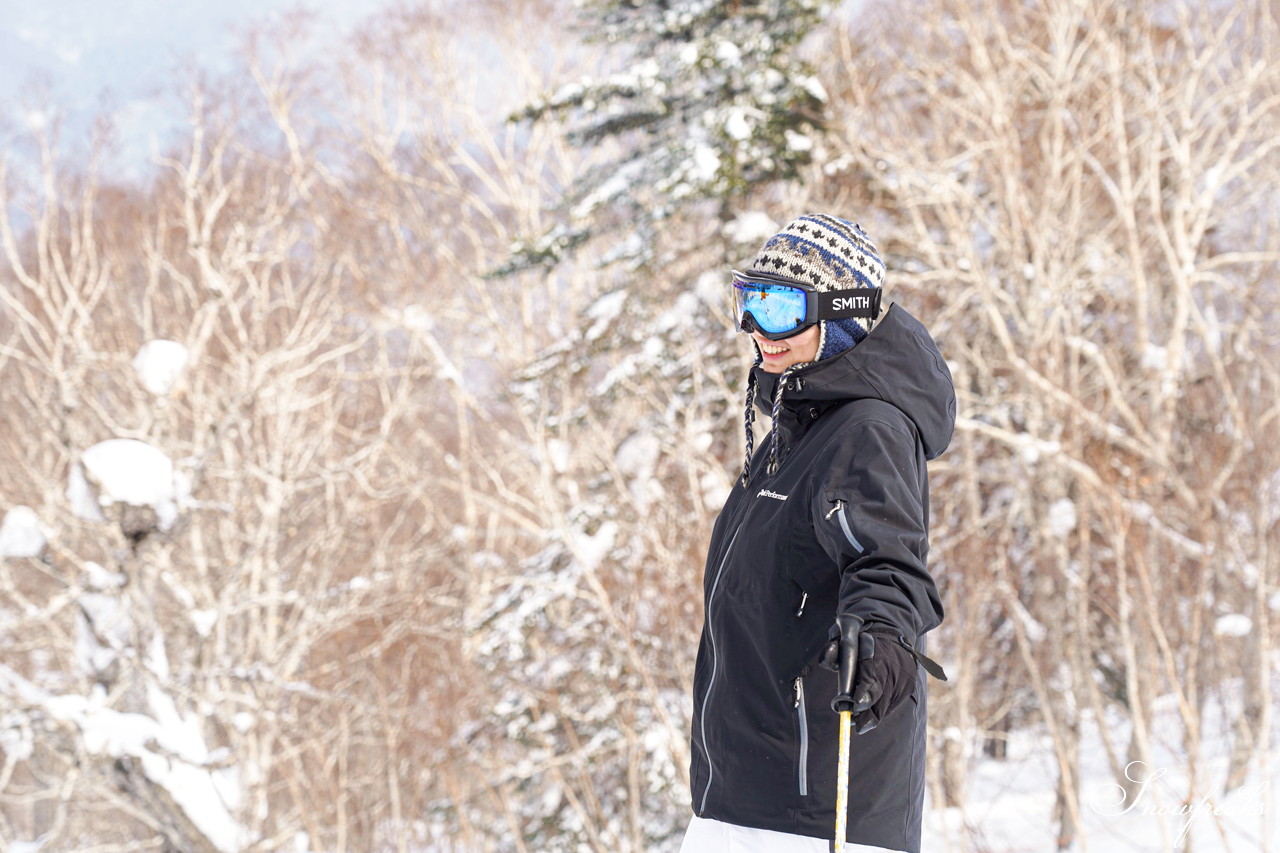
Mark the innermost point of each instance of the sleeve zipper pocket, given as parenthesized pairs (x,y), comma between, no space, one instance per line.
(838,512)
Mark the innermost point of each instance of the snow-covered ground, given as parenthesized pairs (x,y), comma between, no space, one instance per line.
(1011,802)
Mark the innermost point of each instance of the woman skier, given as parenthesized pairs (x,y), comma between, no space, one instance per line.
(818,559)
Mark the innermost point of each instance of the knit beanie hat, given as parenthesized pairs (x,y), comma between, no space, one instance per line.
(831,254)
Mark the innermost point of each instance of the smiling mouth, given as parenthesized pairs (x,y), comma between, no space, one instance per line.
(772,350)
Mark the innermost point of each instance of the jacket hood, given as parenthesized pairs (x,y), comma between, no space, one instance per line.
(898,363)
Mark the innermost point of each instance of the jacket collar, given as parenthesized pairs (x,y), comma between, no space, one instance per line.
(898,362)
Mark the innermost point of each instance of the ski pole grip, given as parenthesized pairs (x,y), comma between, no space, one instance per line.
(850,628)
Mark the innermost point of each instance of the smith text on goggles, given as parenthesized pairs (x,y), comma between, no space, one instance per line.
(778,307)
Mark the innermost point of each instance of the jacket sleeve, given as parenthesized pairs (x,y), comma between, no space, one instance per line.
(871,514)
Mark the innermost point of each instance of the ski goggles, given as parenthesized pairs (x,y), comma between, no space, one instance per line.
(776,307)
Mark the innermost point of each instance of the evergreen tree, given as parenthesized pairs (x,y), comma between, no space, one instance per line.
(713,102)
(713,107)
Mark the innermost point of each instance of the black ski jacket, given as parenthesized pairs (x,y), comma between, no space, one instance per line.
(841,526)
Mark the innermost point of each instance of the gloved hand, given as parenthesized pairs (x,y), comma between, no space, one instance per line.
(876,672)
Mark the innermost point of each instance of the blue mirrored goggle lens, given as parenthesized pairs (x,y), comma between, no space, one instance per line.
(775,307)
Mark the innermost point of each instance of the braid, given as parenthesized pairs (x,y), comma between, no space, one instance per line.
(777,405)
(777,408)
(749,418)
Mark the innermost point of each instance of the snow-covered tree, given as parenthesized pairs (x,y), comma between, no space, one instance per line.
(632,414)
(314,538)
(1074,194)
(712,100)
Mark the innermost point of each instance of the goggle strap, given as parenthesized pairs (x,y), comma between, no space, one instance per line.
(862,302)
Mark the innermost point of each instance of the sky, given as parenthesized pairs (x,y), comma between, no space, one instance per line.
(128,57)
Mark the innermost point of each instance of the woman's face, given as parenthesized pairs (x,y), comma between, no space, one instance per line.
(779,355)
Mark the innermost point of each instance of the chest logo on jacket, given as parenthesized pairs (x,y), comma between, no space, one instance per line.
(765,493)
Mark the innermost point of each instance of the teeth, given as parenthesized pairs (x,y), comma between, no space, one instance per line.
(772,350)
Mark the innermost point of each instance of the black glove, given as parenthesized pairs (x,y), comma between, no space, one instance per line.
(876,671)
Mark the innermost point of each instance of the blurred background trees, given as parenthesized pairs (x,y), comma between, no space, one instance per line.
(407,555)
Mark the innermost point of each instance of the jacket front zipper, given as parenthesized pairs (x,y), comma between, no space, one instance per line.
(711,643)
(803,718)
(715,664)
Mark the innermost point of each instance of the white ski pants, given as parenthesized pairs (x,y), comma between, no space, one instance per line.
(713,836)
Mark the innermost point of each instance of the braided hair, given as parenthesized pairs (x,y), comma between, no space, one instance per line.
(749,417)
(777,408)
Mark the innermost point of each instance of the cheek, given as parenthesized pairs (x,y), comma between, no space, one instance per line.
(808,348)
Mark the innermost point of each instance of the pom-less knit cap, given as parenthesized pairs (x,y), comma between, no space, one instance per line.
(831,254)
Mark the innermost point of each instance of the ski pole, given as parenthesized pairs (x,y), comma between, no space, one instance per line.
(850,650)
(842,780)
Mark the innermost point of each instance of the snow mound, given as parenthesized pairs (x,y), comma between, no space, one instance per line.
(1233,625)
(1062,518)
(168,745)
(21,533)
(159,364)
(750,226)
(128,471)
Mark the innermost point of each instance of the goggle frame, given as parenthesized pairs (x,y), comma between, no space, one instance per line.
(862,302)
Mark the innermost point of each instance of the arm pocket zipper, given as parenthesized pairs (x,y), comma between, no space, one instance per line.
(838,512)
